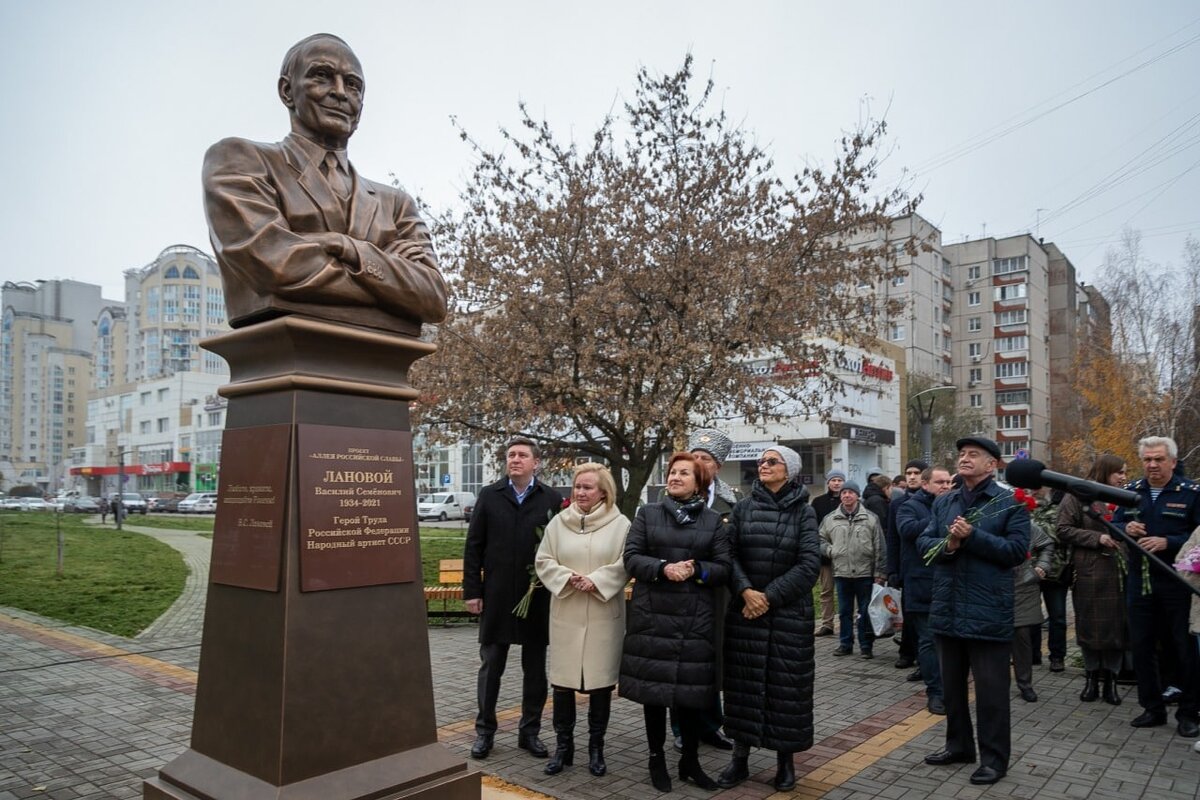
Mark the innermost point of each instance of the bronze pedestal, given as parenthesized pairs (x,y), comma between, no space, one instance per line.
(315,679)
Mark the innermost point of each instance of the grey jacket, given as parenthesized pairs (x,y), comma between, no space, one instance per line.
(854,543)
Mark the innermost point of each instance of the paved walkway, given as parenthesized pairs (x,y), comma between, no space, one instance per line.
(85,714)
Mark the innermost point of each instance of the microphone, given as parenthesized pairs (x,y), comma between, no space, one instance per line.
(1029,474)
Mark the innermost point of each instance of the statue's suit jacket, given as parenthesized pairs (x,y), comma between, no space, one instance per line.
(264,202)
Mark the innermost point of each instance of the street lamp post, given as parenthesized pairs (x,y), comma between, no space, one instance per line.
(119,505)
(925,418)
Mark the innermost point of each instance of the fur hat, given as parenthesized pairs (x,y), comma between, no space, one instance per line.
(711,441)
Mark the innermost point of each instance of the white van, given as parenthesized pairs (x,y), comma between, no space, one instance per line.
(444,505)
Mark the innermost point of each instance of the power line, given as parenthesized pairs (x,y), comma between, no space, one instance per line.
(1007,127)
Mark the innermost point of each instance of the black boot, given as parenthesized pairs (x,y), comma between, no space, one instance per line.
(564,731)
(659,776)
(785,772)
(689,764)
(1091,687)
(1110,689)
(738,769)
(599,705)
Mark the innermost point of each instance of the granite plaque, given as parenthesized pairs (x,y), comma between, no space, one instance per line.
(248,534)
(357,512)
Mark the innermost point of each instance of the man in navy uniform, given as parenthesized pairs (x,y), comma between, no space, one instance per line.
(1168,513)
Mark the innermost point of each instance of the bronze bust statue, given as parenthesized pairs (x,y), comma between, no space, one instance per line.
(297,230)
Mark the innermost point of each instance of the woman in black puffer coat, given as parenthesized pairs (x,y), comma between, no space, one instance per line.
(769,628)
(678,553)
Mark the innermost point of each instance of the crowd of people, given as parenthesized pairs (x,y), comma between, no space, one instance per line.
(718,635)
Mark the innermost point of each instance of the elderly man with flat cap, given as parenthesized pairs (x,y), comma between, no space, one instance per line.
(296,229)
(979,533)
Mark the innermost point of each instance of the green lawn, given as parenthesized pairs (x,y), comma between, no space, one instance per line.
(113,581)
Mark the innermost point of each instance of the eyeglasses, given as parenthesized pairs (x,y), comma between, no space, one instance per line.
(768,462)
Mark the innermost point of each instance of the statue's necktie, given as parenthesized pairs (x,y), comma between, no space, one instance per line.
(339,181)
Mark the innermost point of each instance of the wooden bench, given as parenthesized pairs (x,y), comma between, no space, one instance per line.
(449,587)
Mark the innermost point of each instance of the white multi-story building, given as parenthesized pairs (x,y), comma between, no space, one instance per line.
(170,305)
(149,432)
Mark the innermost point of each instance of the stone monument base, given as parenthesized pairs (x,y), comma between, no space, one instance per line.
(315,680)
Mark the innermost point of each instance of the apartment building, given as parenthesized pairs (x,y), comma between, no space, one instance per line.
(46,343)
(1000,319)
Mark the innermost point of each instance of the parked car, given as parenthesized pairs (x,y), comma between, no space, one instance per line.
(444,505)
(168,505)
(467,509)
(188,504)
(82,505)
(206,504)
(134,503)
(35,504)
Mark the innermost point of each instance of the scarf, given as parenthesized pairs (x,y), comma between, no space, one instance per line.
(686,511)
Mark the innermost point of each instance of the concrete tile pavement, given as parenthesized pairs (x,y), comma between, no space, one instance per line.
(87,715)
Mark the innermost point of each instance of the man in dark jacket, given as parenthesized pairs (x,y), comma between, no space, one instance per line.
(875,498)
(824,506)
(1168,513)
(912,517)
(978,533)
(502,541)
(907,655)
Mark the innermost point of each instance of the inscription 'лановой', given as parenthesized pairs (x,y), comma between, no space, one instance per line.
(356,510)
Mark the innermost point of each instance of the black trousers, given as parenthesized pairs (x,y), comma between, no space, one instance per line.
(689,720)
(1161,617)
(988,663)
(493,658)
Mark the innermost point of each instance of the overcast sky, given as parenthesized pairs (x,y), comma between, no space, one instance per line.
(983,102)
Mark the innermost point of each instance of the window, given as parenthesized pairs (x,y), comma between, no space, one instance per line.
(144,426)
(162,394)
(972,298)
(1013,291)
(190,274)
(1014,317)
(172,272)
(1009,398)
(1010,448)
(1012,369)
(1007,344)
(898,280)
(937,314)
(164,424)
(976,401)
(1008,422)
(1003,266)
(214,419)
(897,332)
(975,324)
(975,349)
(973,272)
(144,398)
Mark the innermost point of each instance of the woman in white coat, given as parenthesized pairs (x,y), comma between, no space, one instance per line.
(580,562)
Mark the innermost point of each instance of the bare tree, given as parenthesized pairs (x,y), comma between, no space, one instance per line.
(1155,340)
(612,292)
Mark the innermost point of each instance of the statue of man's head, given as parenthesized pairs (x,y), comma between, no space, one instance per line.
(321,83)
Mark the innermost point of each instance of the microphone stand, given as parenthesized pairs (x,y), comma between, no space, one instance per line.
(1121,535)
